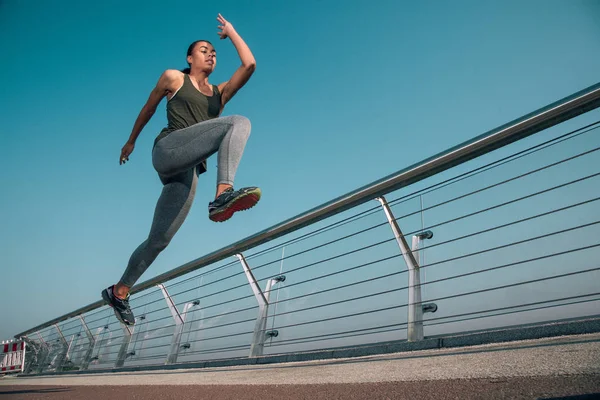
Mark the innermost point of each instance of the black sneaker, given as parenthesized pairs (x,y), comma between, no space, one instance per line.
(120,306)
(230,201)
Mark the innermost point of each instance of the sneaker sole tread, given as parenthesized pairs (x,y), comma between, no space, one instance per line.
(242,203)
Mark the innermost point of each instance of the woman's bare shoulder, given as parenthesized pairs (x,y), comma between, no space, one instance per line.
(171,79)
(173,74)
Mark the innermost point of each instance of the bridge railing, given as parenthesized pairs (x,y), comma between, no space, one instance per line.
(498,231)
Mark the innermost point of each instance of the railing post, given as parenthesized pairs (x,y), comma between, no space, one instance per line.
(100,340)
(122,355)
(260,333)
(415,311)
(78,345)
(45,352)
(420,307)
(64,353)
(260,329)
(30,348)
(68,357)
(179,323)
(184,316)
(91,344)
(141,330)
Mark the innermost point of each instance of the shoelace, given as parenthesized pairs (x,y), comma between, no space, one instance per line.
(223,194)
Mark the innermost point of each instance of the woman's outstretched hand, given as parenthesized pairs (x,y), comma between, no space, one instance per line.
(225,27)
(125,152)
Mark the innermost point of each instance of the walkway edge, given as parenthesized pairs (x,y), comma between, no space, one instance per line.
(540,331)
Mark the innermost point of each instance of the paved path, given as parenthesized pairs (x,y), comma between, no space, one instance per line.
(548,368)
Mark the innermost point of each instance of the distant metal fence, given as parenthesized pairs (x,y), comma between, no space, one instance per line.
(501,230)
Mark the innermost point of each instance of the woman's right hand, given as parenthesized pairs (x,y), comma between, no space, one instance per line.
(225,27)
(125,152)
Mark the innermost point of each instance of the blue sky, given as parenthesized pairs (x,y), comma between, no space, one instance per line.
(342,95)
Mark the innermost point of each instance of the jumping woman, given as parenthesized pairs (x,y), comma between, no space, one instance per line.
(195,131)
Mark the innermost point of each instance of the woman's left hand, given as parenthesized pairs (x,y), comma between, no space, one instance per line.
(225,27)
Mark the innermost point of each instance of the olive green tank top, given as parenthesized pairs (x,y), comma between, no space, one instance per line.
(187,107)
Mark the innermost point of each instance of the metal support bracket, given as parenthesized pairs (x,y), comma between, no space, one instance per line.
(260,297)
(429,307)
(260,327)
(122,355)
(100,339)
(64,353)
(91,344)
(43,355)
(179,323)
(186,309)
(411,257)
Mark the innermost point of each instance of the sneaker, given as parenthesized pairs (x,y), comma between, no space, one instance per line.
(230,201)
(120,306)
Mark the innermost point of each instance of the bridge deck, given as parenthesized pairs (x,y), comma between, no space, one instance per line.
(543,368)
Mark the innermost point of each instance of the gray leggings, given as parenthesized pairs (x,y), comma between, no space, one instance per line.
(175,158)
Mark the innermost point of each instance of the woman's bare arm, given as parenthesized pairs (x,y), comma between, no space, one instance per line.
(244,72)
(162,88)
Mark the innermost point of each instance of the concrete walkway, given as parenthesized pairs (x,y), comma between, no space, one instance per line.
(544,368)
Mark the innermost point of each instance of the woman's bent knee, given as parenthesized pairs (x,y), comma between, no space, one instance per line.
(239,121)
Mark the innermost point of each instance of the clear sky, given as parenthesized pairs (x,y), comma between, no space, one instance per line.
(344,94)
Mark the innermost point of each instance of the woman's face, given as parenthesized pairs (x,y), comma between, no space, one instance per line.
(203,56)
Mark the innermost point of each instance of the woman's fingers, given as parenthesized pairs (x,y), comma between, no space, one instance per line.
(125,153)
(124,156)
(223,27)
(222,20)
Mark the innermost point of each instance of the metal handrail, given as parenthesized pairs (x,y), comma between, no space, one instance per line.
(543,118)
